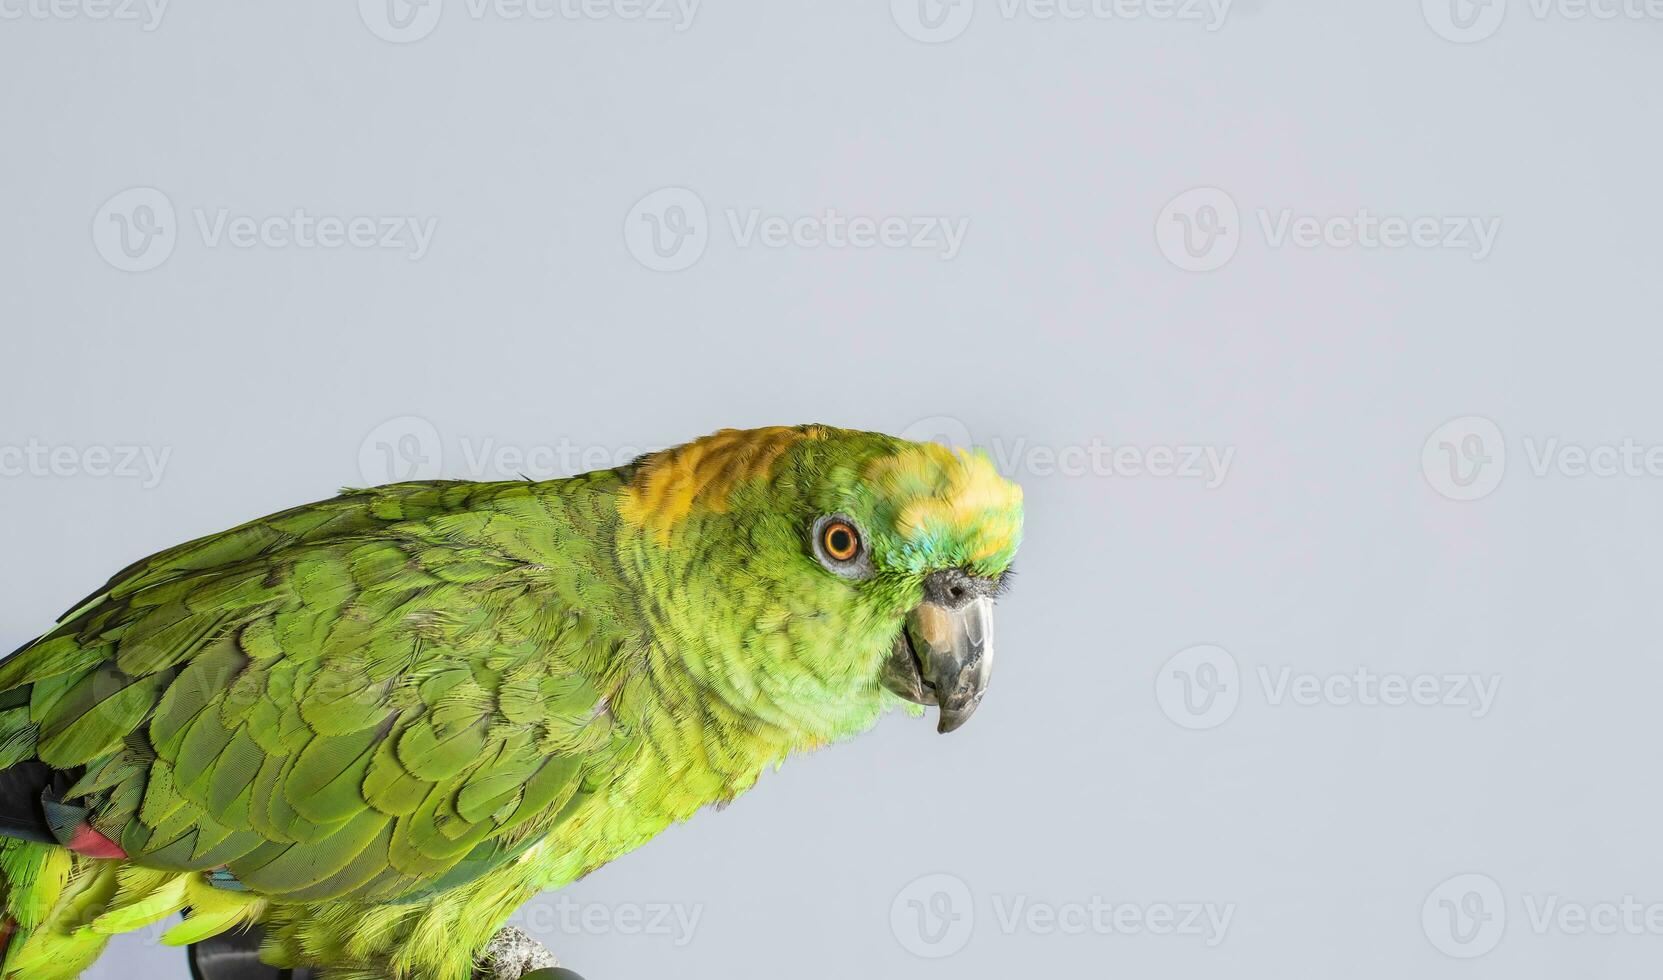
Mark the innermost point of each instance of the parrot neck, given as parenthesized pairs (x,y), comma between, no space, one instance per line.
(736,698)
(733,680)
(738,666)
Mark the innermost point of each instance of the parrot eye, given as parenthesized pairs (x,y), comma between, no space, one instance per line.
(839,546)
(840,540)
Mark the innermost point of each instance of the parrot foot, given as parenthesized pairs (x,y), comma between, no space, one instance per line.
(236,956)
(513,955)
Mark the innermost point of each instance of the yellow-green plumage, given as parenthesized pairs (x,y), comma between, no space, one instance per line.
(397,715)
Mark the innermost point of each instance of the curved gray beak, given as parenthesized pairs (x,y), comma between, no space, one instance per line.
(944,655)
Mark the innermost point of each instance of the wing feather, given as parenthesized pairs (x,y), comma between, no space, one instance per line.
(362,698)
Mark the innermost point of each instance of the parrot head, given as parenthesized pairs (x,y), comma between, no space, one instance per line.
(820,575)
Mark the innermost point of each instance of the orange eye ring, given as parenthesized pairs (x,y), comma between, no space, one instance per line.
(840,540)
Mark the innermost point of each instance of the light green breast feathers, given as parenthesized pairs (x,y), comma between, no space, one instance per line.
(378,724)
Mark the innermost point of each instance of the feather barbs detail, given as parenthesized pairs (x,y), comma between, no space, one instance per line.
(952,495)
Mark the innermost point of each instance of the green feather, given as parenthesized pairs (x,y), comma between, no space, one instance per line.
(338,798)
(430,756)
(388,786)
(370,862)
(201,747)
(234,771)
(306,865)
(205,679)
(156,905)
(95,716)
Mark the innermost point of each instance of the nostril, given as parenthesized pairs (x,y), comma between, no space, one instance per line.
(951,587)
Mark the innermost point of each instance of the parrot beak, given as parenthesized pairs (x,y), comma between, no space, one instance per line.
(944,655)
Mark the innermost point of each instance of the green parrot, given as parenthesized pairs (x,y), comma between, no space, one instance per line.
(376,725)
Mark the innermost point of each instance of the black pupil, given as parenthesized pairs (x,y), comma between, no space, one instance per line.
(842,542)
